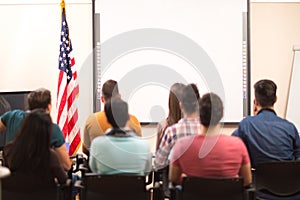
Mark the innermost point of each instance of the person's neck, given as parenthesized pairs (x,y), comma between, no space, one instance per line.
(210,130)
(260,108)
(191,116)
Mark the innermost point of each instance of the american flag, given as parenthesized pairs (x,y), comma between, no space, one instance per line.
(67,91)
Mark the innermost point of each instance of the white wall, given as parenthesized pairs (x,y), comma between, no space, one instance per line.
(30,38)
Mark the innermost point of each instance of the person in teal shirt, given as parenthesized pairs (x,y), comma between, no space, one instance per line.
(11,122)
(120,150)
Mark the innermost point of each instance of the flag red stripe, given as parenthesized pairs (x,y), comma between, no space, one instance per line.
(74,145)
(72,62)
(73,120)
(60,77)
(62,103)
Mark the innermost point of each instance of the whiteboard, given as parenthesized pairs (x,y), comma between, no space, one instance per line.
(30,39)
(293,111)
(149,45)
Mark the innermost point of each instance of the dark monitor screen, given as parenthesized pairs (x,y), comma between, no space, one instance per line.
(16,100)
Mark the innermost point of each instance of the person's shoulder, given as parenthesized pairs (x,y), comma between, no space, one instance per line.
(133,118)
(98,114)
(247,119)
(13,115)
(231,139)
(187,139)
(55,128)
(177,125)
(288,123)
(101,139)
(16,112)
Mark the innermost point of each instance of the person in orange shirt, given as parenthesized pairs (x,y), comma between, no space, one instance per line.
(96,124)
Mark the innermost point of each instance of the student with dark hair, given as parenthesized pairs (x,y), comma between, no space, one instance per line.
(120,150)
(175,113)
(11,122)
(188,125)
(96,124)
(267,136)
(30,158)
(209,153)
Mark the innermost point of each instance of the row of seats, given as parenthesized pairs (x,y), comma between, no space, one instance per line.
(282,179)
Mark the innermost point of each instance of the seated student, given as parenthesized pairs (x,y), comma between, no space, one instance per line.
(267,136)
(175,113)
(11,122)
(120,150)
(96,124)
(188,125)
(209,153)
(34,165)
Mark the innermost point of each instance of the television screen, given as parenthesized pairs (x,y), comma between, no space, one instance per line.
(16,100)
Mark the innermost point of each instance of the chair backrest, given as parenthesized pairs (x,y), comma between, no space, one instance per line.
(281,178)
(26,186)
(113,187)
(213,188)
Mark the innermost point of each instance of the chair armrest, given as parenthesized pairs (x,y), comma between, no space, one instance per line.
(149,177)
(175,192)
(250,193)
(65,190)
(157,191)
(78,184)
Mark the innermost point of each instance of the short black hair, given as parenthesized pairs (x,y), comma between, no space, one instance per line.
(190,98)
(265,92)
(211,109)
(39,98)
(116,111)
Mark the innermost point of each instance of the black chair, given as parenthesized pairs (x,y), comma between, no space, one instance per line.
(123,187)
(14,190)
(280,179)
(194,188)
(119,186)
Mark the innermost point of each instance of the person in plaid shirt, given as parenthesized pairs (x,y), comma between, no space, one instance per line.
(188,125)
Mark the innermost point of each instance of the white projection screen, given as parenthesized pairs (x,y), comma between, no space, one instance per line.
(149,45)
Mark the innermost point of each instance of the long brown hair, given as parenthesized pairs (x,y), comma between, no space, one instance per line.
(175,97)
(175,113)
(29,152)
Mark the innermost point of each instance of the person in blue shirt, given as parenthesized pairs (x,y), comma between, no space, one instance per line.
(267,136)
